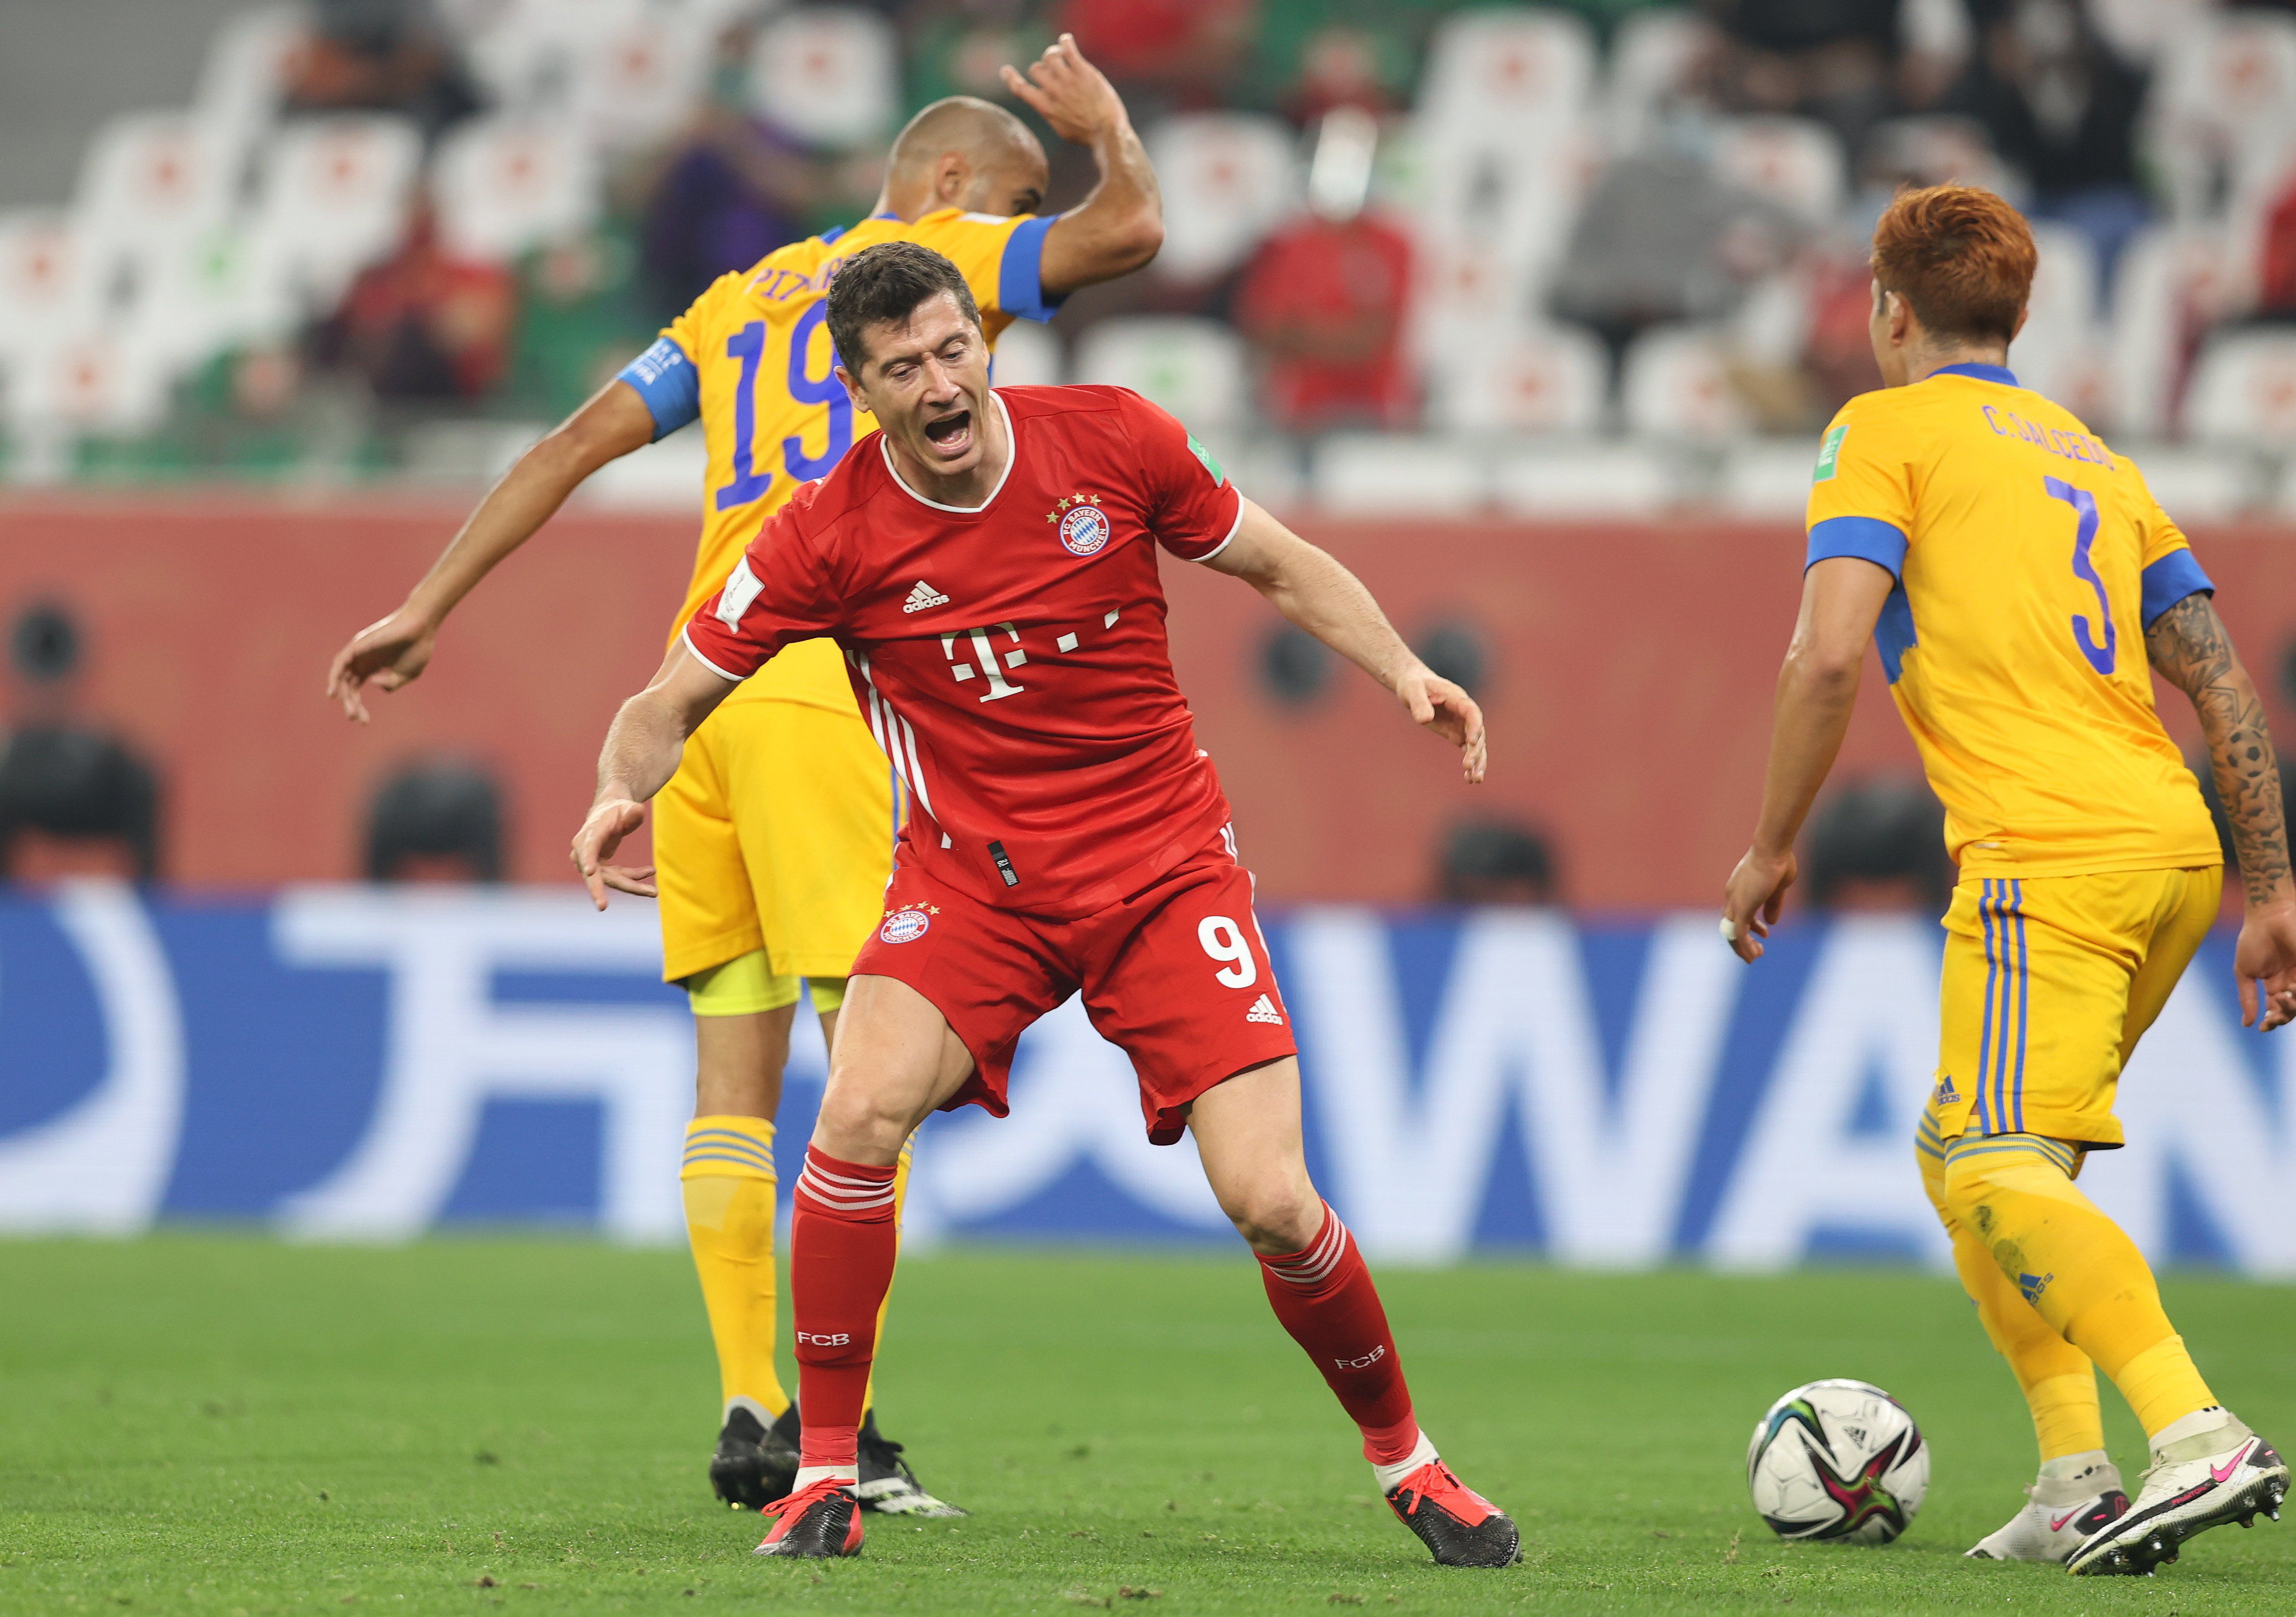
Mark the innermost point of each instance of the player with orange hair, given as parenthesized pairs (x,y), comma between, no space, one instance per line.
(2008,566)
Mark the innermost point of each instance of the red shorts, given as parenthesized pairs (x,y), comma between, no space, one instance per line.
(1177,976)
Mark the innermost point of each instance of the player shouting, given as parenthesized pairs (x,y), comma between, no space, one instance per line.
(2009,566)
(774,840)
(987,562)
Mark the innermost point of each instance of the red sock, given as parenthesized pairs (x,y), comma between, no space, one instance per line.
(842,1244)
(1326,1298)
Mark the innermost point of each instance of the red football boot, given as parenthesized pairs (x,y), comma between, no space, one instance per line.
(818,1520)
(1462,1527)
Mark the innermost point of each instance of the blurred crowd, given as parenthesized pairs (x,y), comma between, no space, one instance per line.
(387,226)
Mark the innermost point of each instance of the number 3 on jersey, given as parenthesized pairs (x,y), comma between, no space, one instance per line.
(747,345)
(1224,940)
(2102,658)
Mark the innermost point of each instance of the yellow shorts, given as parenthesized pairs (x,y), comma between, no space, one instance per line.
(777,833)
(2049,983)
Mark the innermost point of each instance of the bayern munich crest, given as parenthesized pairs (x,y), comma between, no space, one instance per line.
(907,925)
(1083,525)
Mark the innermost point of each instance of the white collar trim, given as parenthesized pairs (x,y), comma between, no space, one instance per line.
(1012,456)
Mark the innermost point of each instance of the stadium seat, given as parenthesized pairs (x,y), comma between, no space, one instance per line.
(2195,484)
(2243,390)
(1570,479)
(828,74)
(2057,352)
(1795,162)
(505,184)
(2169,275)
(1194,368)
(244,76)
(1228,178)
(219,291)
(1650,57)
(1510,70)
(90,380)
(335,197)
(1938,150)
(527,54)
(665,476)
(1398,475)
(1503,205)
(1028,355)
(1546,378)
(640,76)
(2225,100)
(150,179)
(1676,384)
(45,279)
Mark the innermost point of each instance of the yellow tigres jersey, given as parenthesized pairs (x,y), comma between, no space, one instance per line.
(753,360)
(2030,562)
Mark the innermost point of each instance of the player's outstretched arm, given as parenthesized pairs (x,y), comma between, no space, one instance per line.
(1841,599)
(1313,591)
(396,649)
(2189,646)
(642,752)
(1121,225)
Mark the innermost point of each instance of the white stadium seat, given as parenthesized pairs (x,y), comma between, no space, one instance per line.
(2167,274)
(642,76)
(1794,162)
(506,185)
(336,192)
(1228,178)
(1650,59)
(2060,349)
(1768,477)
(1568,479)
(1028,355)
(2203,485)
(218,291)
(244,77)
(2243,390)
(46,281)
(150,180)
(1548,379)
(1398,474)
(1676,384)
(1508,70)
(85,379)
(2223,101)
(527,54)
(1192,367)
(828,74)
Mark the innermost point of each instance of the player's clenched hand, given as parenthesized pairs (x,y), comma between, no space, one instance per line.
(611,820)
(1068,91)
(390,652)
(1751,903)
(2264,961)
(1450,712)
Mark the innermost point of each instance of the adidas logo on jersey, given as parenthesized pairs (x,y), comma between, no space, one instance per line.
(1263,1009)
(922,598)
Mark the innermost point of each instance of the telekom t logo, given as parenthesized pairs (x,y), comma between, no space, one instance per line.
(985,648)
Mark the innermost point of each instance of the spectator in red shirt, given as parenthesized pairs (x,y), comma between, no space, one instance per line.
(425,325)
(1324,299)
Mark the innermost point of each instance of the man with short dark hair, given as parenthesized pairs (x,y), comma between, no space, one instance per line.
(986,561)
(2008,565)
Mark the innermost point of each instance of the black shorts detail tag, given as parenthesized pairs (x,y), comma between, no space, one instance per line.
(1003,864)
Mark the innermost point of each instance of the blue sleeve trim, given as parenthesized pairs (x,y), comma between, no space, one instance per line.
(666,379)
(2169,580)
(1867,537)
(1020,275)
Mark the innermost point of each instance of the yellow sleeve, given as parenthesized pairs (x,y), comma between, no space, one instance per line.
(1001,259)
(1861,494)
(2171,571)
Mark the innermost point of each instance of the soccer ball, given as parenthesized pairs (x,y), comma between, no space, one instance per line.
(1840,1460)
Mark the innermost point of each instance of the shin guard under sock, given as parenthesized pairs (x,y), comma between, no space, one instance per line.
(1324,1297)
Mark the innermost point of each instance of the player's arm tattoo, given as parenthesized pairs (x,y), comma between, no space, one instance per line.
(2187,643)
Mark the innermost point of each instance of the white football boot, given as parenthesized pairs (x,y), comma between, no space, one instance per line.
(2075,1496)
(2208,1469)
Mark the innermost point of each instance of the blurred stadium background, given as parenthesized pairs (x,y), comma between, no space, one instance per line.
(1529,314)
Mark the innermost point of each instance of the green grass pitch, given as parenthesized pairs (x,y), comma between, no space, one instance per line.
(222,1424)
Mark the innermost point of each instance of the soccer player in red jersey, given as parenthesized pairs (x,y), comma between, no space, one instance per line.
(987,563)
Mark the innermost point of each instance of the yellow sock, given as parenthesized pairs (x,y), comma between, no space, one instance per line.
(2056,1377)
(2015,1193)
(729,1184)
(901,1200)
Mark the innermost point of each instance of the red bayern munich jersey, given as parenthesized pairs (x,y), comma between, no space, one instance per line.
(1011,660)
